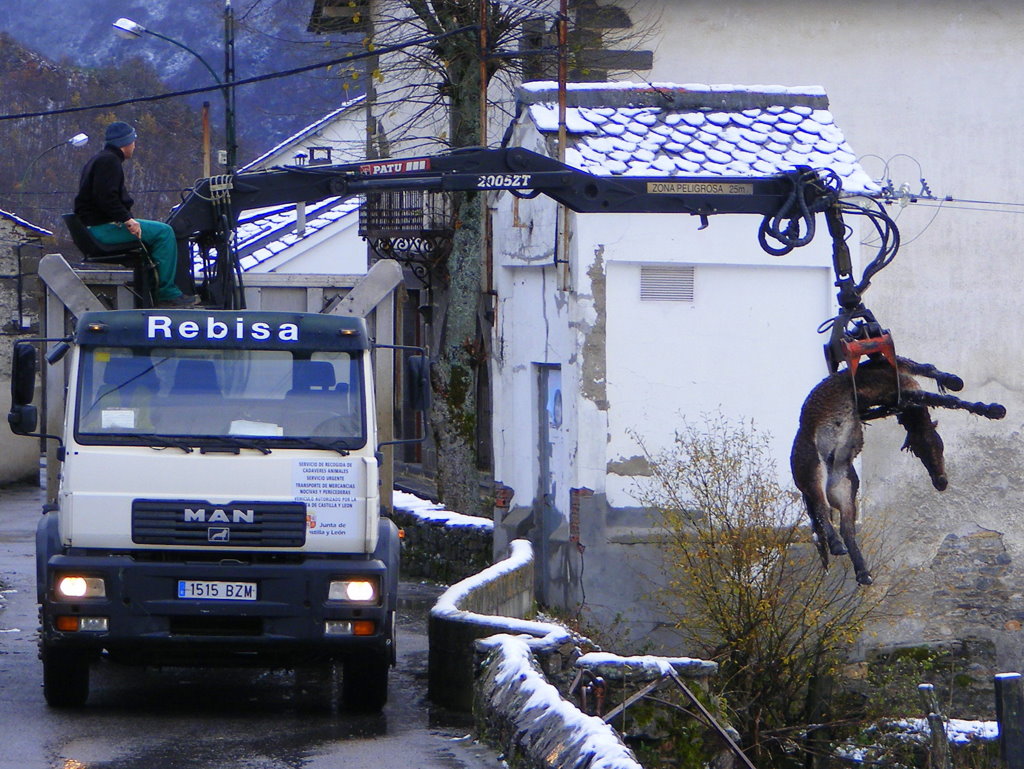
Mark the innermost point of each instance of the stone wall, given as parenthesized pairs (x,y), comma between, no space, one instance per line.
(497,600)
(441,552)
(524,715)
(21,247)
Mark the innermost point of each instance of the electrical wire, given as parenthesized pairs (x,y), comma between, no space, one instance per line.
(421,41)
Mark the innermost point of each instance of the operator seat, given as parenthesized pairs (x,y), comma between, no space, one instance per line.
(127,255)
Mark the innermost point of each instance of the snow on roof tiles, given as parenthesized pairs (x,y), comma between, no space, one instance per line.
(664,129)
(264,232)
(24,223)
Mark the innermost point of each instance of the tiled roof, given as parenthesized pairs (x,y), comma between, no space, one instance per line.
(697,130)
(263,233)
(266,232)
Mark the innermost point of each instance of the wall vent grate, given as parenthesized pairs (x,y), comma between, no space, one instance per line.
(666,283)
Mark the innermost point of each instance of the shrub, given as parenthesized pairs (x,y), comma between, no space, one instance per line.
(745,587)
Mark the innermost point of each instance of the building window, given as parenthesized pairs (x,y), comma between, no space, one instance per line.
(319,156)
(666,283)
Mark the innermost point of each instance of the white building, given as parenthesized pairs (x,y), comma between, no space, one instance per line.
(651,320)
(316,238)
(931,93)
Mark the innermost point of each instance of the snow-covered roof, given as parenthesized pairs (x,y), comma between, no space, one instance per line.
(665,129)
(265,232)
(26,224)
(304,133)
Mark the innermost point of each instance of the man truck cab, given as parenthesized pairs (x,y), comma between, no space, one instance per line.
(218,499)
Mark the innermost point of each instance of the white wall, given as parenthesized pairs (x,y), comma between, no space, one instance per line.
(746,346)
(940,82)
(344,133)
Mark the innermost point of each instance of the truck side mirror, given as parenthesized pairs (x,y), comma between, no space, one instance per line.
(417,370)
(23,417)
(23,374)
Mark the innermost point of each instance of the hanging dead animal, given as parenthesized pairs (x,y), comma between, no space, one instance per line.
(831,435)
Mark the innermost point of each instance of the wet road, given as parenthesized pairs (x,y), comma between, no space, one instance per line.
(209,719)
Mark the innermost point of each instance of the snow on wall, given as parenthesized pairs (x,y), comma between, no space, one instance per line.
(547,730)
(432,511)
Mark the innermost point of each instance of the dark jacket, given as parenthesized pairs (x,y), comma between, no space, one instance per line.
(102,196)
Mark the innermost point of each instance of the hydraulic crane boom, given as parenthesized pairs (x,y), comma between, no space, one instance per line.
(515,169)
(788,203)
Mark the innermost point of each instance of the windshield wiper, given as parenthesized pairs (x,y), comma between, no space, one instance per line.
(246,443)
(331,444)
(162,441)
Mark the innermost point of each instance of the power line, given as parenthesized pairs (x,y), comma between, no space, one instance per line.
(246,81)
(947,206)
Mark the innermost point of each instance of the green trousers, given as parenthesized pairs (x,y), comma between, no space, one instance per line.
(158,238)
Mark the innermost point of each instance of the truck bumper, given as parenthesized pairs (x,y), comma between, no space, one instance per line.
(289,623)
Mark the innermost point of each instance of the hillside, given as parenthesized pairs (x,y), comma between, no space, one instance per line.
(270,35)
(39,187)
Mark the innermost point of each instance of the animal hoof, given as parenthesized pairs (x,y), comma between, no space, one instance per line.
(952,382)
(837,548)
(940,482)
(864,578)
(995,411)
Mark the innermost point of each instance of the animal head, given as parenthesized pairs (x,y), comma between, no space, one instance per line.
(925,443)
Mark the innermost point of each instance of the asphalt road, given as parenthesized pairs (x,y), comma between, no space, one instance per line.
(209,719)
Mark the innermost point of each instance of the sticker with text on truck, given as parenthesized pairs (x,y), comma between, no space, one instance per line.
(217,591)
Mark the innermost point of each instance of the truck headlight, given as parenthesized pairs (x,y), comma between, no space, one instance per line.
(355,590)
(76,586)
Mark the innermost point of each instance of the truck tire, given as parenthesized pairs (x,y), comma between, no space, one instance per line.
(364,684)
(65,678)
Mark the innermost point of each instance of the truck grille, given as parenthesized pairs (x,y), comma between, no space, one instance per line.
(201,524)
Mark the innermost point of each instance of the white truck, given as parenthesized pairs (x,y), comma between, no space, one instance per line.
(218,499)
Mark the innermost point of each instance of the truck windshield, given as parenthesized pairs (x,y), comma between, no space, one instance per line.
(273,395)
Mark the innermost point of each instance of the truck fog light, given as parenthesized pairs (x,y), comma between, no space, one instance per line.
(75,586)
(93,624)
(338,627)
(359,590)
(359,627)
(72,624)
(364,627)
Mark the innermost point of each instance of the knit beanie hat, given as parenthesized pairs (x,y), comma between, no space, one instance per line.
(120,134)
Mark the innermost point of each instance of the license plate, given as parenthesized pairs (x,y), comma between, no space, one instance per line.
(217,591)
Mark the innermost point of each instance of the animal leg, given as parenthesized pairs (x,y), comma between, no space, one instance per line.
(842,488)
(809,475)
(848,529)
(926,398)
(944,379)
(817,512)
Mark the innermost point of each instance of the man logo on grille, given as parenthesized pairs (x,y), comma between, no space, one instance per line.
(218,534)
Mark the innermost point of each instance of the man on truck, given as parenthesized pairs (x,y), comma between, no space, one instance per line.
(105,207)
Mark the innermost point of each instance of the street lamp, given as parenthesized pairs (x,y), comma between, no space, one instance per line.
(78,140)
(132,30)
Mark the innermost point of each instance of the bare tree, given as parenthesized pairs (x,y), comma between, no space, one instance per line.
(443,95)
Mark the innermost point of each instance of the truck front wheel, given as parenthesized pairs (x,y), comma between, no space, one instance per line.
(364,683)
(65,677)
